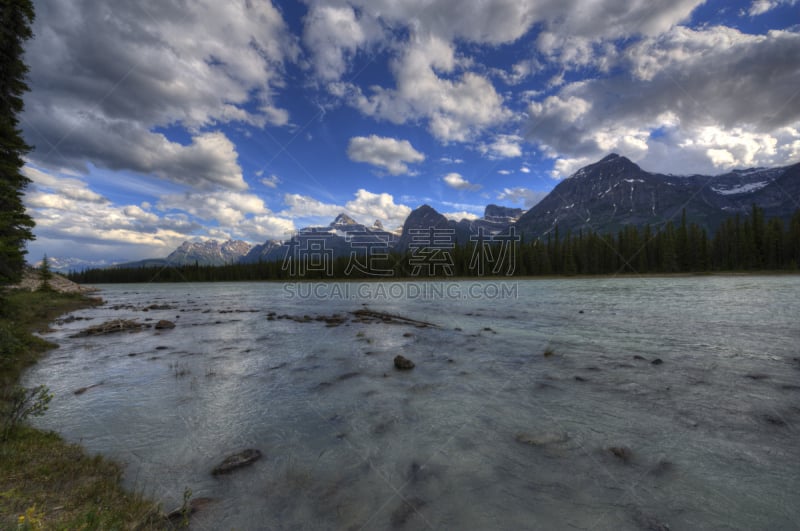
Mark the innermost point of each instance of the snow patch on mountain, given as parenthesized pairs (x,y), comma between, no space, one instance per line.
(741,189)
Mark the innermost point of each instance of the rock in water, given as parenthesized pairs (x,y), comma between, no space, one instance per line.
(111,327)
(237,460)
(403,363)
(195,504)
(657,361)
(622,452)
(164,324)
(542,439)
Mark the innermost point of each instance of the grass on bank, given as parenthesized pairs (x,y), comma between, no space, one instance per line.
(45,482)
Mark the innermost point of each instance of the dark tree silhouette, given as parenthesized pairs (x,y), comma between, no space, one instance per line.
(16,17)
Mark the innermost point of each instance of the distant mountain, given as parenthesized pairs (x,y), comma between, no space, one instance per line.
(501,214)
(614,192)
(496,219)
(65,265)
(604,197)
(266,252)
(209,252)
(341,237)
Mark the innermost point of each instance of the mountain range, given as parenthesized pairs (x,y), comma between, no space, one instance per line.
(614,192)
(603,197)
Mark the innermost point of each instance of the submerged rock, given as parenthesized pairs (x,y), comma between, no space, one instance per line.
(657,361)
(163,324)
(542,439)
(195,504)
(111,327)
(82,390)
(639,358)
(621,452)
(403,363)
(370,316)
(237,460)
(774,419)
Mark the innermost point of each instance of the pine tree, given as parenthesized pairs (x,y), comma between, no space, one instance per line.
(45,274)
(16,17)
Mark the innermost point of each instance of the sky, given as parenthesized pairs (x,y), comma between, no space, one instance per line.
(159,121)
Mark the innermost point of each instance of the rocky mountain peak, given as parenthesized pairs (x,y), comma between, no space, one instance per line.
(343,219)
(497,212)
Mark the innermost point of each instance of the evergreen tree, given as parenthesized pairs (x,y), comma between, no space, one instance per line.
(16,17)
(45,275)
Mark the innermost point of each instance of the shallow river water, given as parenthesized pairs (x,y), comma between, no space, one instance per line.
(486,432)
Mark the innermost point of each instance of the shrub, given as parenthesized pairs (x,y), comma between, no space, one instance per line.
(21,404)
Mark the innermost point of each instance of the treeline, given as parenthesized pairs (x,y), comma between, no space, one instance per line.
(747,243)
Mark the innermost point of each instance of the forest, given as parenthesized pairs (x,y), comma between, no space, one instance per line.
(740,243)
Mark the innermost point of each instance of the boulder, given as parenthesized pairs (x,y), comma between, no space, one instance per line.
(237,460)
(402,363)
(163,324)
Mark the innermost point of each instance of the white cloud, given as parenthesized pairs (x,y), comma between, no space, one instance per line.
(455,180)
(525,169)
(368,206)
(503,147)
(227,208)
(450,160)
(65,187)
(391,154)
(271,181)
(70,216)
(521,196)
(504,172)
(680,89)
(759,7)
(303,206)
(456,108)
(104,77)
(365,208)
(458,216)
(260,228)
(519,71)
(334,34)
(447,90)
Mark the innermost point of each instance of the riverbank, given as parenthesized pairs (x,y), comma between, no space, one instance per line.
(45,482)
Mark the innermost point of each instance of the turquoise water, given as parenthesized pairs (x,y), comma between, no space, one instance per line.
(484,433)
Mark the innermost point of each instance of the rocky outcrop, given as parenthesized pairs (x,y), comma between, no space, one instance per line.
(32,280)
(237,460)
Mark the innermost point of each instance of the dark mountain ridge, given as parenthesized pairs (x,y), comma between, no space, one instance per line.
(615,192)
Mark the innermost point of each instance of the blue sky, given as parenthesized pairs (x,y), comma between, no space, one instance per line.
(155,123)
